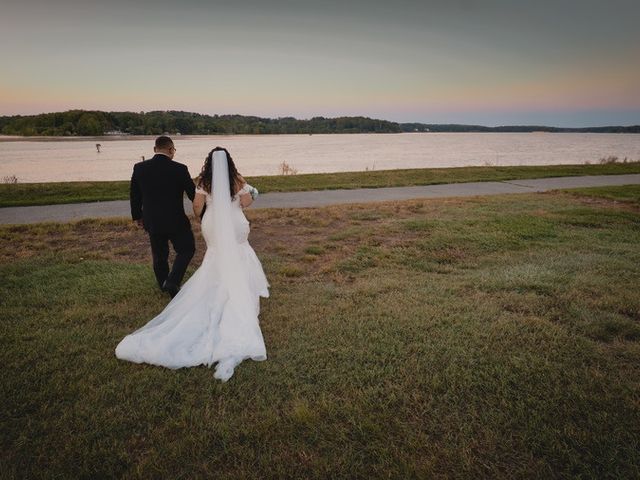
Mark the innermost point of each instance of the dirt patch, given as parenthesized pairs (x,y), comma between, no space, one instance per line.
(311,239)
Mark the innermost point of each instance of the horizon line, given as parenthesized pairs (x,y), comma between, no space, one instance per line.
(316,116)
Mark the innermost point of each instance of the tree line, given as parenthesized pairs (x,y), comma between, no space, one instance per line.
(452,128)
(97,123)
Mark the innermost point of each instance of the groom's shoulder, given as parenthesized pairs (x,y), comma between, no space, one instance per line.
(141,167)
(144,163)
(180,166)
(138,166)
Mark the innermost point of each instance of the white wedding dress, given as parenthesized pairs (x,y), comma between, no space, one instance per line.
(214,317)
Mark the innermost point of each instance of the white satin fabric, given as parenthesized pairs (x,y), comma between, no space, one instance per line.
(214,317)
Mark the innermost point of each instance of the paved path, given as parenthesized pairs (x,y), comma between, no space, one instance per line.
(77,211)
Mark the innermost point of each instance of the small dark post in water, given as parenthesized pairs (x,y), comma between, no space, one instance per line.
(98,147)
(142,157)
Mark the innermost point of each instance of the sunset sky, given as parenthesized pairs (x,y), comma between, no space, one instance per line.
(491,62)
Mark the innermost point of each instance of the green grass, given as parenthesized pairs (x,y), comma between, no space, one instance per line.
(22,194)
(490,337)
(75,192)
(627,193)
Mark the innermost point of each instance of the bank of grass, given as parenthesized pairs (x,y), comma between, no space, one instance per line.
(75,192)
(626,194)
(489,337)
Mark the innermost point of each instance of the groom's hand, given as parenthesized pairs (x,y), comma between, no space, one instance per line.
(139,222)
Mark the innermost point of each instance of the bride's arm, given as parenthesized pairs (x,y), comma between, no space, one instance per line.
(245,200)
(245,197)
(198,204)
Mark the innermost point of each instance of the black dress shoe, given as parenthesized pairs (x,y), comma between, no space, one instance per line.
(171,288)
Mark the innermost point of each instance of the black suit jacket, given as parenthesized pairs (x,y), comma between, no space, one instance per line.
(156,194)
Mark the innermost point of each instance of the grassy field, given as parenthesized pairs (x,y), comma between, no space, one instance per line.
(628,194)
(12,195)
(488,337)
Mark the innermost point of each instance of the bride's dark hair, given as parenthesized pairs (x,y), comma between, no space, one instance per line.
(204,180)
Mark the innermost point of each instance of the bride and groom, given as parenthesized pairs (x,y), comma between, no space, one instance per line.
(213,318)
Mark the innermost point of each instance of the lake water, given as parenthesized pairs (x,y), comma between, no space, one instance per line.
(54,160)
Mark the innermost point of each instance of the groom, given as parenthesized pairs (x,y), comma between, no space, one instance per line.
(156,195)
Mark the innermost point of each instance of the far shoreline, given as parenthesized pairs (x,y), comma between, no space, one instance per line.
(107,138)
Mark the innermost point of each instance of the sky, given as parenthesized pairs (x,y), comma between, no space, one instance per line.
(490,62)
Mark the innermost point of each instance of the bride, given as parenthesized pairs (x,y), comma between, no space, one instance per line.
(214,317)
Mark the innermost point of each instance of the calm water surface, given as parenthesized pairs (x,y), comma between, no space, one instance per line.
(74,160)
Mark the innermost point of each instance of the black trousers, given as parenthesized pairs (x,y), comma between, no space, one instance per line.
(184,246)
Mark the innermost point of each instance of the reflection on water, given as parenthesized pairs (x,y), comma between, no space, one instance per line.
(74,160)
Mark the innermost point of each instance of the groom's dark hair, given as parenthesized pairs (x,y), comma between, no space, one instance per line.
(163,142)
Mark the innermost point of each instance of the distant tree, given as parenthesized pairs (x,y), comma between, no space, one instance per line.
(28,131)
(89,125)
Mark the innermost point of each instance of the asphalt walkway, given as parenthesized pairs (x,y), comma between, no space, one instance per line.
(320,198)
